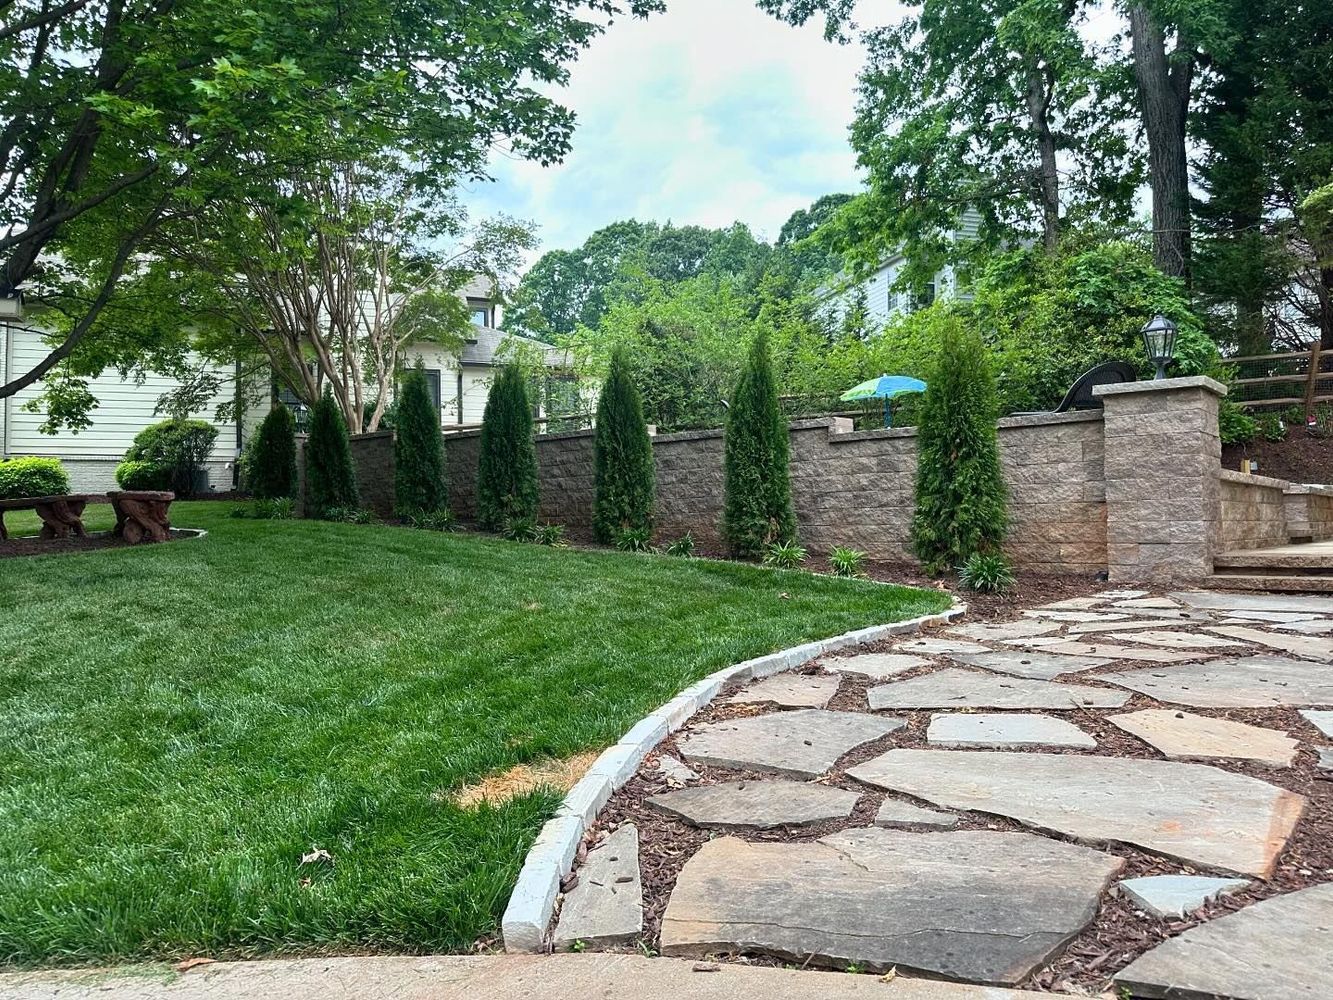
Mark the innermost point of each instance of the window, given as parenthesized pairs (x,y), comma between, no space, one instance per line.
(290,400)
(433,382)
(480,313)
(927,296)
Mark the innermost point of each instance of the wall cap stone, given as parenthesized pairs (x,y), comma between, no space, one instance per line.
(1246,479)
(1301,489)
(1161,385)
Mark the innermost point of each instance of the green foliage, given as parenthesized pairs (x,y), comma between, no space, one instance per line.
(846,562)
(350,515)
(271,462)
(133,474)
(987,572)
(623,475)
(330,478)
(179,445)
(757,511)
(784,555)
(634,540)
(960,492)
(682,546)
(266,509)
(1271,427)
(432,520)
(1234,425)
(519,529)
(552,535)
(507,469)
(418,447)
(21,478)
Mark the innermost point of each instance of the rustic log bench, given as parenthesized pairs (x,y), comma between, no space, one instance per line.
(140,516)
(61,516)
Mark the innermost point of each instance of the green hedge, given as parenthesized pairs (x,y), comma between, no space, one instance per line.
(133,474)
(21,478)
(180,446)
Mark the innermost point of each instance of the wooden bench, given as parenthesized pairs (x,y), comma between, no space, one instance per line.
(141,516)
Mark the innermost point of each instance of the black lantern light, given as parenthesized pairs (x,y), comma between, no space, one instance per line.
(1159,337)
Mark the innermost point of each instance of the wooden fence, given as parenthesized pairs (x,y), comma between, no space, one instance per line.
(1294,378)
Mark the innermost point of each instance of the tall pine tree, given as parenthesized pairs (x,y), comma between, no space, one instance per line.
(418,449)
(758,509)
(273,456)
(330,479)
(622,457)
(507,469)
(960,492)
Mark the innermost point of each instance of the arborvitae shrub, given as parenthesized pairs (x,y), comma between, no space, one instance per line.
(272,461)
(418,453)
(330,479)
(507,468)
(622,458)
(960,492)
(758,510)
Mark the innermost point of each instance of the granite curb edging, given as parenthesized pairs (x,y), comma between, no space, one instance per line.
(531,906)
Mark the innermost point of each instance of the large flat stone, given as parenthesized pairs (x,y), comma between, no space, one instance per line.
(1148,602)
(1191,812)
(800,744)
(1176,640)
(979,906)
(760,805)
(935,647)
(1185,736)
(1319,626)
(1108,650)
(895,813)
(1024,663)
(1309,647)
(1080,617)
(606,906)
(1089,628)
(974,730)
(1244,682)
(1073,604)
(1276,617)
(987,631)
(790,691)
(1209,600)
(1323,721)
(1275,950)
(876,666)
(1177,895)
(956,688)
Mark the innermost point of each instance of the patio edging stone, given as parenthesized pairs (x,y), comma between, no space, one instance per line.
(527,917)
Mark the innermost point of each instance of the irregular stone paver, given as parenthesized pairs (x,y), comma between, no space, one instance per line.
(1038,666)
(1177,895)
(1277,617)
(1239,682)
(760,805)
(1080,616)
(1319,626)
(1210,600)
(1325,758)
(1073,604)
(1138,623)
(984,631)
(790,691)
(937,646)
(895,812)
(1121,595)
(982,729)
(956,688)
(980,906)
(800,744)
(606,907)
(1148,602)
(1275,950)
(1068,647)
(1323,721)
(674,771)
(1184,736)
(1176,640)
(1192,812)
(876,666)
(1297,645)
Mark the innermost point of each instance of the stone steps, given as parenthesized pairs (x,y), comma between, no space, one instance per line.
(1312,560)
(1277,582)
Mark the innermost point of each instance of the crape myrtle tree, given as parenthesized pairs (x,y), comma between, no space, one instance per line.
(623,477)
(418,448)
(120,116)
(507,468)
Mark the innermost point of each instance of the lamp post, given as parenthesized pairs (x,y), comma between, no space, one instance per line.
(1159,337)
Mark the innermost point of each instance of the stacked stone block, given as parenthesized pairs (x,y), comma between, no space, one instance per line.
(1253,511)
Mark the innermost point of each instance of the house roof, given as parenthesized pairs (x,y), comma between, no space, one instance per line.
(479,286)
(483,344)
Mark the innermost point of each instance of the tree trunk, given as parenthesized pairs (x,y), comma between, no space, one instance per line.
(1164,94)
(1040,90)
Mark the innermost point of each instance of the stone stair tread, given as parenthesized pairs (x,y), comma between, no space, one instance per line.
(1278,583)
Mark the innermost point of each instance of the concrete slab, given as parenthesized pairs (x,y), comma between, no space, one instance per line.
(1191,812)
(1274,950)
(1323,721)
(1307,647)
(896,813)
(758,805)
(789,691)
(1185,736)
(800,744)
(606,906)
(991,632)
(876,666)
(956,688)
(935,647)
(1024,663)
(1239,682)
(976,730)
(979,906)
(1177,895)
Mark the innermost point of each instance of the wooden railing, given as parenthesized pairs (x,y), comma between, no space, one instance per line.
(1293,378)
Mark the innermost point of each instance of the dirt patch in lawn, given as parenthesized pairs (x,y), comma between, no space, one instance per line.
(523,779)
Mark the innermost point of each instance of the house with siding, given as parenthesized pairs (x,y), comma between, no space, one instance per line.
(460,382)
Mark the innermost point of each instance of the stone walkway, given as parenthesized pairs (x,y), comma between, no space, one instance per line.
(1130,791)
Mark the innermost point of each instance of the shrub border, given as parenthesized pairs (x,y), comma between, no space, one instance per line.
(532,903)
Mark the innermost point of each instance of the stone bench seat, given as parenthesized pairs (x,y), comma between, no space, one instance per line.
(140,515)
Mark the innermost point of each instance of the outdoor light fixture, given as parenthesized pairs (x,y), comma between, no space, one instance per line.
(11,303)
(1159,337)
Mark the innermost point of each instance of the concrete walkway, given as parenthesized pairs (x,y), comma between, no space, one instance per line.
(557,977)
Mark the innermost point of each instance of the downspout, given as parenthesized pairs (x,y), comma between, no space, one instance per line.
(5,368)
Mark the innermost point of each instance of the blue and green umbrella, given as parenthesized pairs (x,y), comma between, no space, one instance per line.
(885,387)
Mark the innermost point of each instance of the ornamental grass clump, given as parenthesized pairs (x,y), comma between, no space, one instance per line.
(272,460)
(623,484)
(960,492)
(418,449)
(330,476)
(507,469)
(758,510)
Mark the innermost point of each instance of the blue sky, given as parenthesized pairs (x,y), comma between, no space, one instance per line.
(711,113)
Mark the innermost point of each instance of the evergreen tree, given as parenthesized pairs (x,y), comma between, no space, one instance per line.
(622,457)
(507,468)
(418,449)
(330,480)
(960,492)
(758,510)
(273,456)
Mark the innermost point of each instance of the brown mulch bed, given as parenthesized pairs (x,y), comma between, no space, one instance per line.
(1120,932)
(32,545)
(1301,458)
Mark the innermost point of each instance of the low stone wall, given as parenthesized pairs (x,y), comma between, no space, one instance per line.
(1309,511)
(1253,511)
(372,457)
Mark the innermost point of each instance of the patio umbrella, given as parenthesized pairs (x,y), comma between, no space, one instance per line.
(885,387)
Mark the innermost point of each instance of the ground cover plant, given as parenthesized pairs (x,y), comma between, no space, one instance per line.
(183,722)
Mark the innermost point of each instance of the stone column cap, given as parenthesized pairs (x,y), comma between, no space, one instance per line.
(1161,385)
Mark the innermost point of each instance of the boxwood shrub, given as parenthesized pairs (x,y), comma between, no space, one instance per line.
(134,474)
(21,478)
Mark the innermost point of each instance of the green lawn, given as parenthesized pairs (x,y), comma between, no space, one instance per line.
(179,723)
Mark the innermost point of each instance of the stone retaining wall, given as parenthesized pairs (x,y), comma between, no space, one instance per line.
(1254,512)
(1309,511)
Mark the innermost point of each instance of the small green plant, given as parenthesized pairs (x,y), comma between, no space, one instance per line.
(784,555)
(634,540)
(552,535)
(21,478)
(134,474)
(240,511)
(682,546)
(432,520)
(275,509)
(1293,416)
(519,529)
(1323,422)
(1234,425)
(846,562)
(1271,427)
(855,969)
(987,572)
(349,515)
(579,946)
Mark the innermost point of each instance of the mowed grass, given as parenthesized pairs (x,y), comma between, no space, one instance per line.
(180,723)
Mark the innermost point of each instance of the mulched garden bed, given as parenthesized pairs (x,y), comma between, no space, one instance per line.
(1301,458)
(1120,932)
(32,545)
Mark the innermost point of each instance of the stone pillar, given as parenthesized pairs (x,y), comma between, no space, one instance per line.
(1163,478)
